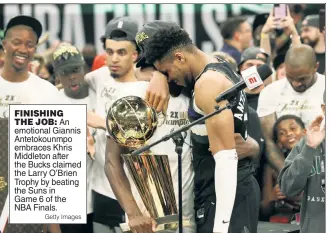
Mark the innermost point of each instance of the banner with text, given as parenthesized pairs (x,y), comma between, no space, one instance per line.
(85,23)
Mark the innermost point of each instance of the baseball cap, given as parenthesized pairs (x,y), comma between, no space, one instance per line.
(278,60)
(311,20)
(121,28)
(27,21)
(67,55)
(252,53)
(148,30)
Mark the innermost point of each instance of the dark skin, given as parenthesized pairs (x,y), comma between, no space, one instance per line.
(72,79)
(20,45)
(119,181)
(301,67)
(120,184)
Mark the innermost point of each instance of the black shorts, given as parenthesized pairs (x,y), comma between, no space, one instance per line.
(79,228)
(107,211)
(244,214)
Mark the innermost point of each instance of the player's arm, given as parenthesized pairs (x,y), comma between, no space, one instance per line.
(246,148)
(157,93)
(121,187)
(274,155)
(221,137)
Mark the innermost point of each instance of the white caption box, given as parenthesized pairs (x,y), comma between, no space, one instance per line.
(47,164)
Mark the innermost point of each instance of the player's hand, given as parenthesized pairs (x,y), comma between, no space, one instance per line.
(142,224)
(95,121)
(90,144)
(157,94)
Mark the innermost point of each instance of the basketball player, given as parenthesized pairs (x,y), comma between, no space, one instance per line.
(69,66)
(121,56)
(18,85)
(215,160)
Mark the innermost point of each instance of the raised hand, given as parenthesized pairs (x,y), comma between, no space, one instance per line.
(315,132)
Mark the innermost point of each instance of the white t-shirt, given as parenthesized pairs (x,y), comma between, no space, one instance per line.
(89,101)
(177,117)
(32,91)
(281,98)
(108,90)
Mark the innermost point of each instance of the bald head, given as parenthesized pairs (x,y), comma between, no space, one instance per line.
(301,55)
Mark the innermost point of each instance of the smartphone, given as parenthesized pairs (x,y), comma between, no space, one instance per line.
(322,19)
(280,11)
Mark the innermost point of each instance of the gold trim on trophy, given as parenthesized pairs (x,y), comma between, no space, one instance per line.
(3,183)
(131,121)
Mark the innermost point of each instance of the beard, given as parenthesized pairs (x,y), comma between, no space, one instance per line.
(311,43)
(115,75)
(81,93)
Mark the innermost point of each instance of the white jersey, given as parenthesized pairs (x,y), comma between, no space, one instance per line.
(34,90)
(280,98)
(177,117)
(108,90)
(89,101)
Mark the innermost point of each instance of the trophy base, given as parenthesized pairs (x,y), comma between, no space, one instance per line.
(167,224)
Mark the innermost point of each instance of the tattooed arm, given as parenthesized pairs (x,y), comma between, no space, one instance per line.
(274,155)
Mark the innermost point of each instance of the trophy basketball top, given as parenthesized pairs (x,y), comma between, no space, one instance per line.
(131,121)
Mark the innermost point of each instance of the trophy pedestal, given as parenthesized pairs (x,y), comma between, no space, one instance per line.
(167,224)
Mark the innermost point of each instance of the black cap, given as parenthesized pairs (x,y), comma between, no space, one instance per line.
(311,20)
(121,28)
(278,60)
(67,55)
(27,21)
(147,32)
(251,53)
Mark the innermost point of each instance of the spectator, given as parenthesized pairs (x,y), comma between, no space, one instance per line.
(254,56)
(299,94)
(287,132)
(279,66)
(304,170)
(99,61)
(282,42)
(237,35)
(258,23)
(2,57)
(47,72)
(227,57)
(297,14)
(311,35)
(36,64)
(89,52)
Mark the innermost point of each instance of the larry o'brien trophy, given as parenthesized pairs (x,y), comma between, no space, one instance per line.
(131,121)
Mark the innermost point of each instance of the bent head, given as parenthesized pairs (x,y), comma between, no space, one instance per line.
(171,56)
(301,67)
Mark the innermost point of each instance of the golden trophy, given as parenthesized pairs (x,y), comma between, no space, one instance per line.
(131,121)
